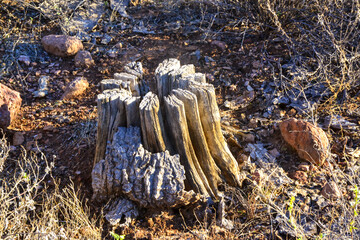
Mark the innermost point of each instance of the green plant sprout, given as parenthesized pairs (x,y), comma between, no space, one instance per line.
(26,177)
(117,236)
(290,209)
(354,205)
(321,236)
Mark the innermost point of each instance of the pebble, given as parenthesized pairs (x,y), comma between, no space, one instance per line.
(61,45)
(43,87)
(331,191)
(18,138)
(24,59)
(76,88)
(84,59)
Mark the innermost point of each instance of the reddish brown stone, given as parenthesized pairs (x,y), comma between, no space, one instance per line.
(83,59)
(18,138)
(219,44)
(10,103)
(299,176)
(258,176)
(331,191)
(75,88)
(61,45)
(310,142)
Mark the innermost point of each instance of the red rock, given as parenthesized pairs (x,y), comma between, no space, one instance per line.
(10,103)
(219,44)
(18,138)
(76,88)
(83,59)
(258,176)
(310,142)
(299,176)
(61,45)
(331,191)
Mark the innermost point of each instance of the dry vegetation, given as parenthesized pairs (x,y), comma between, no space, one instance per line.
(32,210)
(318,64)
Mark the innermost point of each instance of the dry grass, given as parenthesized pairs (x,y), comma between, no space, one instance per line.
(30,210)
(322,38)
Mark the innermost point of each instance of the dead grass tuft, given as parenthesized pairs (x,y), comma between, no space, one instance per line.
(31,210)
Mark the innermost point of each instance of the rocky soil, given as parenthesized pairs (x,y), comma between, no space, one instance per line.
(301,175)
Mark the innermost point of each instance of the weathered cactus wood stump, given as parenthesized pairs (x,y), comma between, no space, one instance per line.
(160,148)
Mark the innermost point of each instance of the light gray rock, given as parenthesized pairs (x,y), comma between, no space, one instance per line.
(43,87)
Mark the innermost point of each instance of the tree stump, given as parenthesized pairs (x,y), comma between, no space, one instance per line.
(181,154)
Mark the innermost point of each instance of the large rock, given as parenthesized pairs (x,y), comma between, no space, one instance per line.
(310,142)
(76,88)
(10,103)
(61,45)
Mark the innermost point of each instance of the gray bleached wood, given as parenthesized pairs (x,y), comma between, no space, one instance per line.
(210,119)
(154,180)
(132,111)
(111,115)
(178,130)
(107,84)
(163,78)
(186,122)
(122,208)
(152,125)
(134,68)
(198,138)
(182,72)
(130,80)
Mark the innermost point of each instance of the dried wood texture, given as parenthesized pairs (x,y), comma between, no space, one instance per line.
(177,74)
(182,119)
(107,84)
(185,81)
(134,68)
(163,78)
(198,138)
(122,208)
(152,125)
(153,180)
(111,115)
(210,120)
(130,81)
(178,130)
(132,111)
